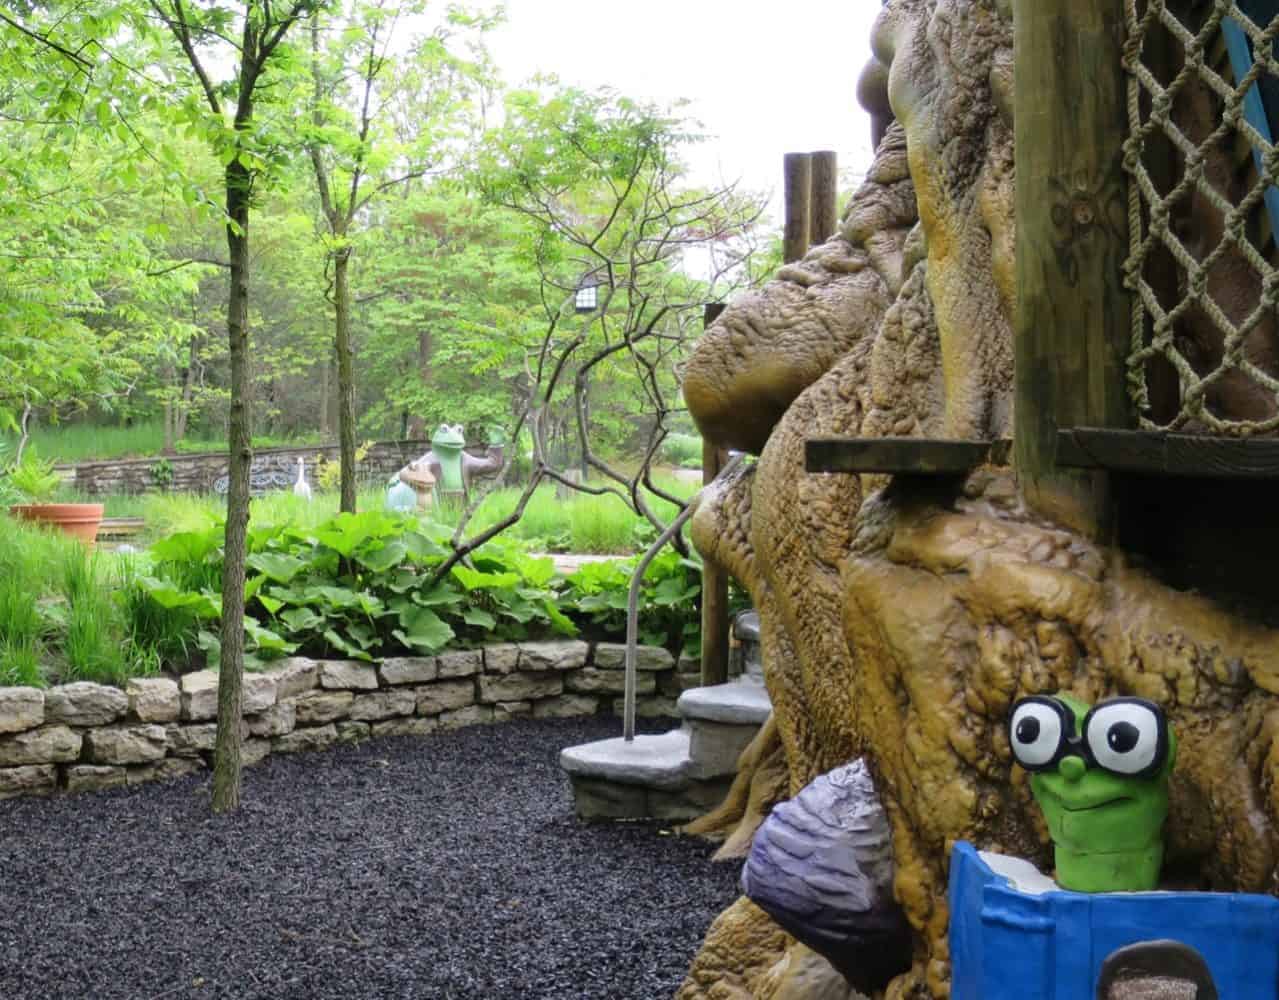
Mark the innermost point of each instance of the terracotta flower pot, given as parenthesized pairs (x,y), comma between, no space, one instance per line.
(80,520)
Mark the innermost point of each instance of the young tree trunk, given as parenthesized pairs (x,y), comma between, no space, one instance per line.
(326,425)
(167,446)
(188,391)
(170,406)
(226,751)
(417,422)
(24,432)
(586,424)
(346,377)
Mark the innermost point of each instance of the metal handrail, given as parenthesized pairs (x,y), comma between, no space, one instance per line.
(632,597)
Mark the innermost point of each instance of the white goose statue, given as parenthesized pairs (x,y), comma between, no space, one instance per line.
(302,488)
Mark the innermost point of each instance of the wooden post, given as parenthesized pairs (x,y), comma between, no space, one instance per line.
(714,579)
(823,212)
(1073,314)
(797,182)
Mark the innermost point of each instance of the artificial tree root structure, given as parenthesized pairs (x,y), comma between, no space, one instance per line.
(900,620)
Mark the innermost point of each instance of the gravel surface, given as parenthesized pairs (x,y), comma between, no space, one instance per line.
(448,866)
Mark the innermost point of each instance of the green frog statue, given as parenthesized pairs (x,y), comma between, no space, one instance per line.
(448,468)
(1100,775)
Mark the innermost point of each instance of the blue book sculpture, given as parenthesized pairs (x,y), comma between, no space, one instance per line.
(1014,935)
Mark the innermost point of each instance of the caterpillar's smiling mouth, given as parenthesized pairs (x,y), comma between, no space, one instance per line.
(1096,805)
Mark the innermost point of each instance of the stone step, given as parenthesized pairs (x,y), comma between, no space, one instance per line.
(652,777)
(652,760)
(714,747)
(742,702)
(675,775)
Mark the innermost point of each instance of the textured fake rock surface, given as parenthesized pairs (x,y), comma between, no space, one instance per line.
(920,345)
(952,608)
(738,957)
(805,975)
(901,628)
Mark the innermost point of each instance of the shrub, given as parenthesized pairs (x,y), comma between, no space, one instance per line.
(356,585)
(361,587)
(668,599)
(683,450)
(161,473)
(33,478)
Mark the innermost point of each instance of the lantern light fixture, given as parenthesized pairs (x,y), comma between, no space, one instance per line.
(586,300)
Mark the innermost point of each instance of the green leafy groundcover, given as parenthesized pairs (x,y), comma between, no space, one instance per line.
(361,586)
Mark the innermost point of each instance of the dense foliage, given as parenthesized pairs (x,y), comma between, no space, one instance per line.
(367,152)
(411,262)
(358,586)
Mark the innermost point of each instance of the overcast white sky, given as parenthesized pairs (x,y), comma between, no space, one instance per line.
(763,79)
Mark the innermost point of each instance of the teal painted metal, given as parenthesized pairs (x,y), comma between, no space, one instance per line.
(1254,108)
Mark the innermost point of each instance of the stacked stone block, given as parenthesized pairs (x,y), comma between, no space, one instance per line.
(84,737)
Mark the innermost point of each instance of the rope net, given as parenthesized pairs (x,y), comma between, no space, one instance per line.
(1203,106)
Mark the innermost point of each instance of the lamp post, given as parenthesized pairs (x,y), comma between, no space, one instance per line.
(586,300)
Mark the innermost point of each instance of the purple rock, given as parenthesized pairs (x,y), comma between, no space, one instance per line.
(821,865)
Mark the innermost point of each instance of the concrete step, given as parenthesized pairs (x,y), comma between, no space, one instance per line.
(649,778)
(714,747)
(741,702)
(676,775)
(654,761)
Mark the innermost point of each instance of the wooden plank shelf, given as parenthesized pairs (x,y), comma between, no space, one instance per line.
(903,456)
(1157,453)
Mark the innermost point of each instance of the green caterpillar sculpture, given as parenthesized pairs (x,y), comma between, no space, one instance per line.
(1100,774)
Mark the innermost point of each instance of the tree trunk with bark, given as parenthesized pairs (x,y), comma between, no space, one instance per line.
(326,425)
(417,422)
(346,376)
(226,752)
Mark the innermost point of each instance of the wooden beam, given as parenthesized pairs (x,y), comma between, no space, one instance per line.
(905,456)
(797,184)
(1073,314)
(715,639)
(823,211)
(1158,454)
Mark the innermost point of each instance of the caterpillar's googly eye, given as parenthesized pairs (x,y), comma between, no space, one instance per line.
(1035,732)
(1126,737)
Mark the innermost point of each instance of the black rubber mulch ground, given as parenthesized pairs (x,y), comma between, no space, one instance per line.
(449,866)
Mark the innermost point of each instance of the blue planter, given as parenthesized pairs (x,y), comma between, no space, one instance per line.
(1009,944)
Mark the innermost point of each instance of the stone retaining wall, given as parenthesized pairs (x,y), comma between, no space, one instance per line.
(197,473)
(83,737)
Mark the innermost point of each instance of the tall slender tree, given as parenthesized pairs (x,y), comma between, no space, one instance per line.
(383,114)
(262,25)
